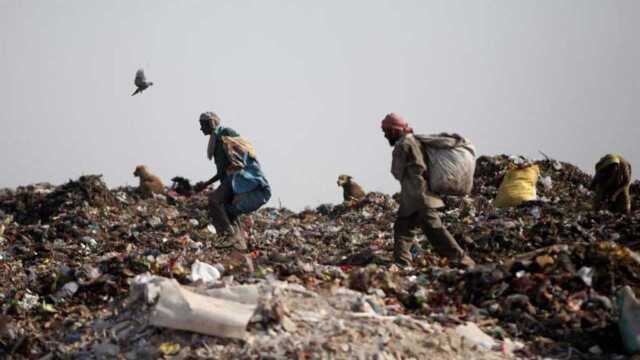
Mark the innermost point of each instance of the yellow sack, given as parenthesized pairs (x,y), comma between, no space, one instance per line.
(518,186)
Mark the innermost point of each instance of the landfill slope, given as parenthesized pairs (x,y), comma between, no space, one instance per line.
(547,274)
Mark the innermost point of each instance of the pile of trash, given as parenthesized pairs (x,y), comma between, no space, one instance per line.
(82,266)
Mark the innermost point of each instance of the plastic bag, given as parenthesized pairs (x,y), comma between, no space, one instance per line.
(205,272)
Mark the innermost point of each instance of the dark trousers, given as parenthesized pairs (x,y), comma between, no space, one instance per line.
(429,221)
(218,199)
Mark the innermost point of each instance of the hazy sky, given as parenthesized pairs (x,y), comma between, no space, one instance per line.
(307,82)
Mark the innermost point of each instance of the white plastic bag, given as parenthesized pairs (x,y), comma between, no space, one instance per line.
(203,271)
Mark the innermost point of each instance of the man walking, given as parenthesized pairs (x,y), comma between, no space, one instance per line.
(418,205)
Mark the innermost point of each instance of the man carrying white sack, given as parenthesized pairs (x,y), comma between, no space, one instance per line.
(418,204)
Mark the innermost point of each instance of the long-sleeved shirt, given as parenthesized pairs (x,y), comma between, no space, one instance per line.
(409,167)
(220,156)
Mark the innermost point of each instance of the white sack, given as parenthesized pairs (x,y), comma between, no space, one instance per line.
(182,309)
(451,163)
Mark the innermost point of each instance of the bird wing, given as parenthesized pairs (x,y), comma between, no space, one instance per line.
(140,80)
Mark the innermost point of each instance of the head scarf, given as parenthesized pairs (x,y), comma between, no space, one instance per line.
(394,121)
(607,160)
(214,120)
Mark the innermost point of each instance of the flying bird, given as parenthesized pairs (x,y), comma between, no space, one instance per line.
(141,82)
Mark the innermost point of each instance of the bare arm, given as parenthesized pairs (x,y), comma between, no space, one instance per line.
(203,185)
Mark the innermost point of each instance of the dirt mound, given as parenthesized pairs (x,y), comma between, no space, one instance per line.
(42,202)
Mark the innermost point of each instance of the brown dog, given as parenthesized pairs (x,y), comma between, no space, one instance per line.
(352,191)
(149,183)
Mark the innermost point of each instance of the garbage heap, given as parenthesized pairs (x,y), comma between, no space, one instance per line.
(545,285)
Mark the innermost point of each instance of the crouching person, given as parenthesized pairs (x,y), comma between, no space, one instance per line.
(418,205)
(611,184)
(243,187)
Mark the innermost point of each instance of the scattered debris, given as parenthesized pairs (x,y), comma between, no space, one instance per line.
(320,281)
(182,186)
